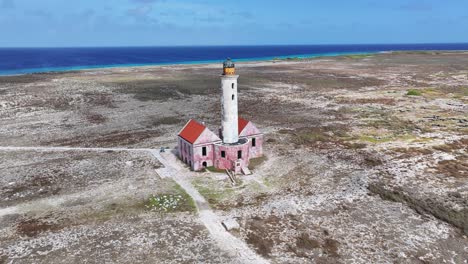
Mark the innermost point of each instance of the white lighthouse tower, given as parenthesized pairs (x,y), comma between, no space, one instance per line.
(230,119)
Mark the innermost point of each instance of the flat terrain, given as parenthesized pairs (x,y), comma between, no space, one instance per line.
(366,162)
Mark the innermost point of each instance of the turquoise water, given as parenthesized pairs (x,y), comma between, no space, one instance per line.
(103,66)
(36,60)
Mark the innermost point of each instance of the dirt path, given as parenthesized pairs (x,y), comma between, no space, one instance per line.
(68,149)
(212,222)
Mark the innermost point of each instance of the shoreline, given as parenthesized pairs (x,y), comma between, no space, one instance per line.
(197,62)
(286,58)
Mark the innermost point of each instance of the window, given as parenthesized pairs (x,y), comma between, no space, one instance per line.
(204,151)
(233,97)
(254,143)
(239,154)
(223,154)
(232,85)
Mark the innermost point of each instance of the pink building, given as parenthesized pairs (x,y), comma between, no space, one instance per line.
(239,139)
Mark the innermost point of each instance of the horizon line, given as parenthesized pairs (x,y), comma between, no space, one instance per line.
(239,45)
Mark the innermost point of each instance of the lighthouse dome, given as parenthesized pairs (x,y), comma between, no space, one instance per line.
(229,67)
(228,63)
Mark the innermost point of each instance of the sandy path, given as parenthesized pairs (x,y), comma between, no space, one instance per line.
(227,242)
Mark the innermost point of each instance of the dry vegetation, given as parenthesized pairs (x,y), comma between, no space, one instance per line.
(366,162)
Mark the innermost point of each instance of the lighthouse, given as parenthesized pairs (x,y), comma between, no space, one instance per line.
(238,140)
(230,119)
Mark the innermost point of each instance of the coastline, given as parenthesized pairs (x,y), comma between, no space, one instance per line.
(295,57)
(196,62)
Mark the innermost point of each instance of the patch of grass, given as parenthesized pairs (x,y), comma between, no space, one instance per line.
(215,192)
(164,203)
(168,88)
(422,139)
(255,163)
(413,92)
(376,139)
(267,182)
(313,135)
(189,204)
(215,170)
(383,120)
(171,202)
(464,91)
(169,120)
(456,91)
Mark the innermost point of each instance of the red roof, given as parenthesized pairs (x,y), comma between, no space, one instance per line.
(192,131)
(242,124)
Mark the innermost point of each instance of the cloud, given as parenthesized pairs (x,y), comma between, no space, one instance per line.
(7,4)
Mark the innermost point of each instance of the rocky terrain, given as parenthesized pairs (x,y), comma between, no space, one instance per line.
(366,162)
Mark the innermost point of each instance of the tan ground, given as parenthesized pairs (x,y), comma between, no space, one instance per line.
(366,162)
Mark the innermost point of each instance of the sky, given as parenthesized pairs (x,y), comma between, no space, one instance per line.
(76,23)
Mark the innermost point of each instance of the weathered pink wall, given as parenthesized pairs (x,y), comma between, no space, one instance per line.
(185,150)
(198,157)
(231,156)
(207,137)
(249,130)
(257,151)
(192,154)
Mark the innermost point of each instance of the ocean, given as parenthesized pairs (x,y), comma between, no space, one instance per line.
(34,60)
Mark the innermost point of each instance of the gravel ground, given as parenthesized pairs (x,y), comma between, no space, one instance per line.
(365,162)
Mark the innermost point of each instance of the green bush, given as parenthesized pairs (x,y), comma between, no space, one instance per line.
(414,92)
